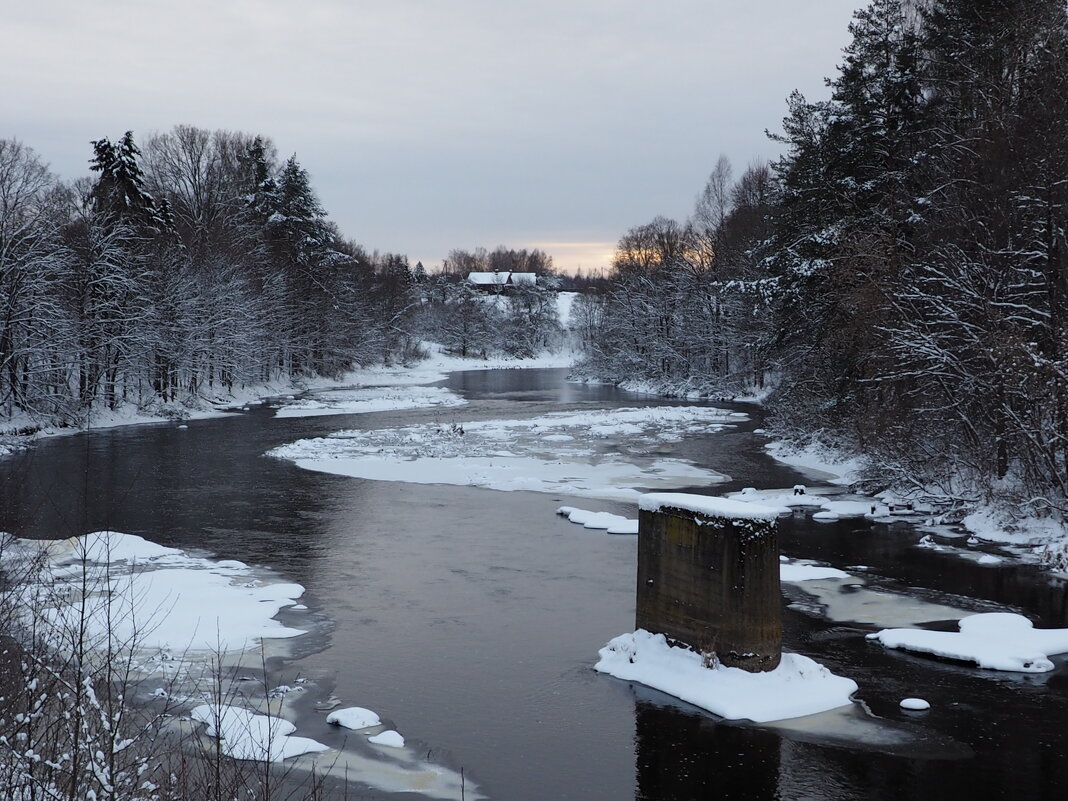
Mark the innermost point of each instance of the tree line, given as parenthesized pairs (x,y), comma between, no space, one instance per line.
(900,273)
(180,270)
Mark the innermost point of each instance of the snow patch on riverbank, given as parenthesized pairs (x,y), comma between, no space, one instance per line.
(798,686)
(993,640)
(553,453)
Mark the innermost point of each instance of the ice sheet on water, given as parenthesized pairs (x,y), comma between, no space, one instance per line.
(243,734)
(798,687)
(469,454)
(992,640)
(370,399)
(353,717)
(151,597)
(605,521)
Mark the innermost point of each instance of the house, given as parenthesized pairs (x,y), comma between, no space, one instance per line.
(500,282)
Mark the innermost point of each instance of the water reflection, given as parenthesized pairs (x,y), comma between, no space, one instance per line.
(682,756)
(472,618)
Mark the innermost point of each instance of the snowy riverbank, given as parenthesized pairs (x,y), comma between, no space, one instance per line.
(17,433)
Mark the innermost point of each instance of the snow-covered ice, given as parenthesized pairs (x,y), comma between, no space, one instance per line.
(243,734)
(354,717)
(914,704)
(149,596)
(390,738)
(992,640)
(804,570)
(472,454)
(797,687)
(369,399)
(606,521)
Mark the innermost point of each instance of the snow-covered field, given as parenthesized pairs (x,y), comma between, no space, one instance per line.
(552,453)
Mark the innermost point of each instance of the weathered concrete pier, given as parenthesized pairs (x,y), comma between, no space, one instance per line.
(708,577)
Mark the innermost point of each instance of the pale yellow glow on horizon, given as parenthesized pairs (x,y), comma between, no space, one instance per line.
(570,256)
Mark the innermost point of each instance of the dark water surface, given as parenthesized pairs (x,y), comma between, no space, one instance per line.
(470,619)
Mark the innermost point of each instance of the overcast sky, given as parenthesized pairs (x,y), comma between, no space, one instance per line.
(429,125)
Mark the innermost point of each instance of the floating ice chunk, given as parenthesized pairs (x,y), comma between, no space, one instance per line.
(989,559)
(245,735)
(914,704)
(612,523)
(797,687)
(803,570)
(846,508)
(354,717)
(993,640)
(390,737)
(370,399)
(825,517)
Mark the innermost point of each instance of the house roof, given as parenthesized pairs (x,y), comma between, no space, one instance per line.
(502,278)
(488,279)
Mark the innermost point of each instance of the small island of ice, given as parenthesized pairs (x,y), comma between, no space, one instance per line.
(354,717)
(797,687)
(993,640)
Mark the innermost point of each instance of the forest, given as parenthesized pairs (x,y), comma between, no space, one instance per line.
(898,279)
(202,263)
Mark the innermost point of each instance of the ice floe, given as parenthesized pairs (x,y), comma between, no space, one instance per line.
(150,597)
(798,686)
(605,521)
(243,734)
(354,717)
(804,570)
(992,640)
(369,399)
(471,454)
(390,738)
(915,704)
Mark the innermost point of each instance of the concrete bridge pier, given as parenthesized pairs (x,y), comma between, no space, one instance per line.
(708,578)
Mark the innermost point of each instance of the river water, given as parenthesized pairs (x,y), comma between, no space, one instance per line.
(470,619)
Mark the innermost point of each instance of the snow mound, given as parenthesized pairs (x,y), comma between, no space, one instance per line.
(390,738)
(354,717)
(243,734)
(914,704)
(993,640)
(612,523)
(797,687)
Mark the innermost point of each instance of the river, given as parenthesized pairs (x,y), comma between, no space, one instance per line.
(471,618)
